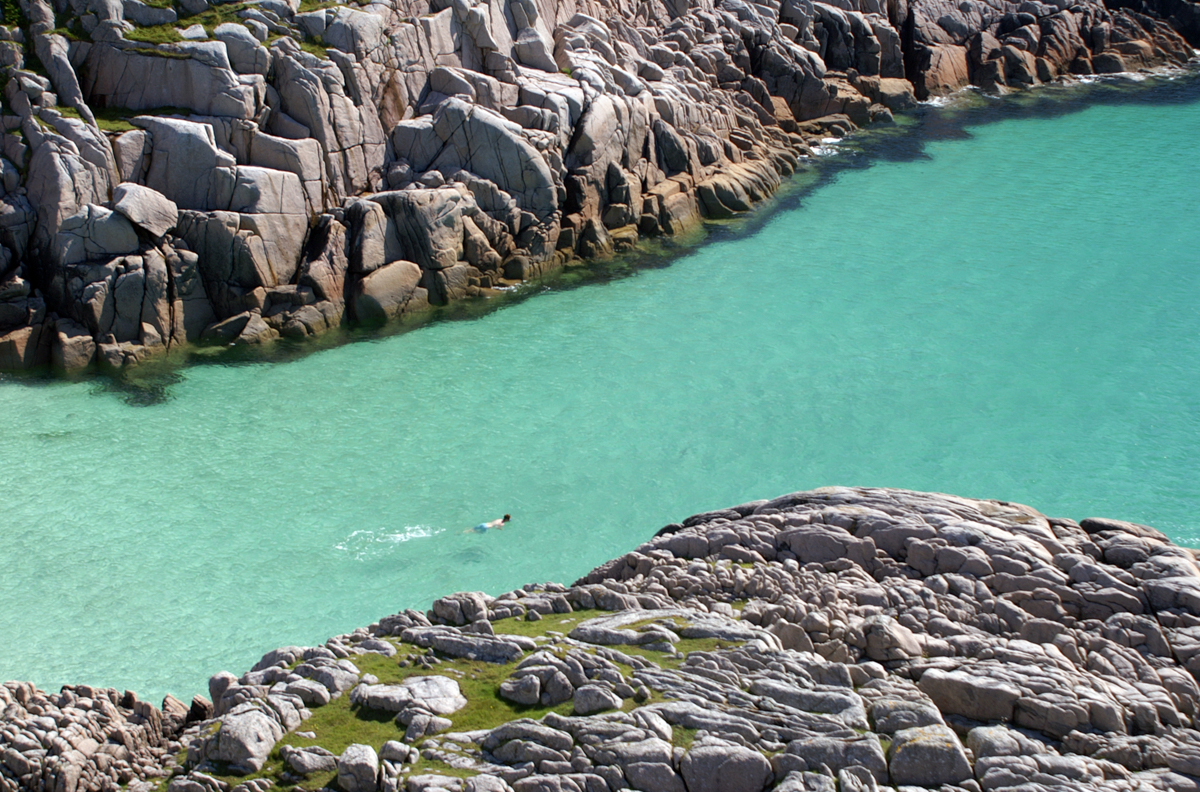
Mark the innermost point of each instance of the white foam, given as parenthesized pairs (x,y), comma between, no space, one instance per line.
(827,147)
(370,543)
(950,98)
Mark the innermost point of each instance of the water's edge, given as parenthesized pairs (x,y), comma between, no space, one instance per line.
(948,118)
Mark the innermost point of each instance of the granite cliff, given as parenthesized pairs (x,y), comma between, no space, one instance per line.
(852,639)
(178,172)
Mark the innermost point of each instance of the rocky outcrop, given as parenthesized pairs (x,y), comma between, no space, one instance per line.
(364,162)
(844,638)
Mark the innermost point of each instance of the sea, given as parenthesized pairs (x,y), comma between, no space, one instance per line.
(996,297)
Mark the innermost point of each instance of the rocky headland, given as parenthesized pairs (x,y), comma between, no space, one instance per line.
(839,639)
(178,172)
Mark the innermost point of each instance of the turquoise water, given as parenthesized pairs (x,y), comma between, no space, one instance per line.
(1007,309)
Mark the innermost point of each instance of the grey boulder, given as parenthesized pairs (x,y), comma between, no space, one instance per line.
(146,208)
(927,756)
(313,694)
(245,739)
(313,759)
(590,699)
(94,233)
(358,769)
(724,768)
(437,694)
(526,690)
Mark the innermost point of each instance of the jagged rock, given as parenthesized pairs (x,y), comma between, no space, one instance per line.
(314,94)
(93,234)
(611,129)
(471,138)
(246,55)
(195,75)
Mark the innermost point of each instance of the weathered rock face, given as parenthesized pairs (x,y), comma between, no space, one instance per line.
(527,133)
(950,644)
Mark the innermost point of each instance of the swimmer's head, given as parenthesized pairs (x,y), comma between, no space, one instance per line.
(507,517)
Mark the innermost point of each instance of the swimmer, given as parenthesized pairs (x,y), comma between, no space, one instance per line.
(483,526)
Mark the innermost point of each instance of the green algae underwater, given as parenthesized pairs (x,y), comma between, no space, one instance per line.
(996,298)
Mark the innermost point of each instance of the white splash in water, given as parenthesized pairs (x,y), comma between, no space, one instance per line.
(365,544)
(827,147)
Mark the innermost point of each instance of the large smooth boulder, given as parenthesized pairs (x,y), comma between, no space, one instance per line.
(146,208)
(358,769)
(312,759)
(246,55)
(74,349)
(526,690)
(975,696)
(312,693)
(388,292)
(245,739)
(591,699)
(927,756)
(437,694)
(724,768)
(888,639)
(865,751)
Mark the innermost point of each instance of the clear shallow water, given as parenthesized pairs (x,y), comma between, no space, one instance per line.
(1008,311)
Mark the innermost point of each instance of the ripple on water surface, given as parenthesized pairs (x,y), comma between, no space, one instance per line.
(1007,309)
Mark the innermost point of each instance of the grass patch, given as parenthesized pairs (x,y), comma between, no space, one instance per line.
(216,15)
(339,724)
(683,738)
(316,5)
(154,34)
(479,682)
(12,13)
(118,119)
(161,53)
(683,648)
(110,122)
(557,622)
(314,48)
(564,622)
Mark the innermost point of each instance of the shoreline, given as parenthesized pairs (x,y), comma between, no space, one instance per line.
(145,383)
(921,638)
(326,183)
